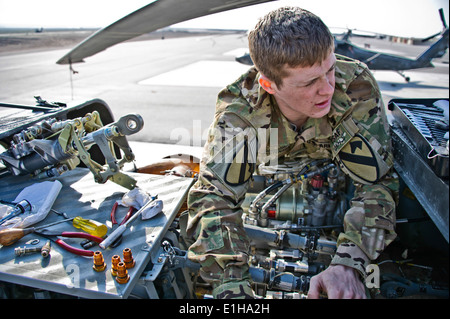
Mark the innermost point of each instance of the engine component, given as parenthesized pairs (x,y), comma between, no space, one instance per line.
(305,198)
(280,280)
(292,217)
(53,147)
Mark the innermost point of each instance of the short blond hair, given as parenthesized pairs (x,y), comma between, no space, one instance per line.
(288,36)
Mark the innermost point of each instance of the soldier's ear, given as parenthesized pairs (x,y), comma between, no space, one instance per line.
(266,84)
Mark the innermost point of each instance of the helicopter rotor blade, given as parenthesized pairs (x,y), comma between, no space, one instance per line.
(154,16)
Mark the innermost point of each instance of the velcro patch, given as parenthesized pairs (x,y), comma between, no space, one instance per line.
(358,157)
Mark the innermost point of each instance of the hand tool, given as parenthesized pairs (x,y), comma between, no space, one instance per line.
(90,226)
(59,213)
(114,222)
(121,229)
(19,208)
(63,244)
(9,236)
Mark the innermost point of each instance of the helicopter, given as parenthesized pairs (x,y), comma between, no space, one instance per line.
(168,252)
(137,23)
(384,61)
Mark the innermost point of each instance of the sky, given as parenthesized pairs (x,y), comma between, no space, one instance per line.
(408,18)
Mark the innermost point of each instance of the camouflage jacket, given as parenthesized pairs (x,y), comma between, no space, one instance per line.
(238,143)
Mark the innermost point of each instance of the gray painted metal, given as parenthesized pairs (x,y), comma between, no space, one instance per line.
(71,274)
(431,191)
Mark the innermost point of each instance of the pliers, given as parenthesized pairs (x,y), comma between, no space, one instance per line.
(63,244)
(114,221)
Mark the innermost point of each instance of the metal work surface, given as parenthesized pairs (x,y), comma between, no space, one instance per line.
(67,273)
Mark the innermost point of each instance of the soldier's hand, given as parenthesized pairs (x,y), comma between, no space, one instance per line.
(338,282)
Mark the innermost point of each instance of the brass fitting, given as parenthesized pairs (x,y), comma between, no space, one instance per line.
(99,262)
(115,260)
(122,273)
(128,258)
(20,251)
(45,250)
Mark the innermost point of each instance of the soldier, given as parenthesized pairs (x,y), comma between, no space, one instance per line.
(321,105)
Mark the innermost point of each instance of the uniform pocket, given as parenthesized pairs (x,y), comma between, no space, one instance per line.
(210,237)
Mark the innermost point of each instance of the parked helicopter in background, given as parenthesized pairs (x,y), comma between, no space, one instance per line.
(384,61)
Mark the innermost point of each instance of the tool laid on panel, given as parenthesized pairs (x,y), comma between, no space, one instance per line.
(114,222)
(121,229)
(55,238)
(44,250)
(19,208)
(10,235)
(90,226)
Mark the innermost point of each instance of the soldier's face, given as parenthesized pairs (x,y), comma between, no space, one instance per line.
(306,91)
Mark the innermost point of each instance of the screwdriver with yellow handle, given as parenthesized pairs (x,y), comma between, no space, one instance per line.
(90,226)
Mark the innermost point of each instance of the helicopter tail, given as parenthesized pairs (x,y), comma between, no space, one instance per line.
(436,50)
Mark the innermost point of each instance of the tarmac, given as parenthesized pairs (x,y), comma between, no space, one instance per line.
(172,82)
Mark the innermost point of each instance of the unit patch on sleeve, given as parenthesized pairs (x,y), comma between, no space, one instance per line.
(358,157)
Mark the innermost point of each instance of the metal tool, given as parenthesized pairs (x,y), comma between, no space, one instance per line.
(55,238)
(19,208)
(114,222)
(59,213)
(44,250)
(121,229)
(10,235)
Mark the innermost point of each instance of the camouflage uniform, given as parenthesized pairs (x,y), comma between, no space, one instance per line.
(355,123)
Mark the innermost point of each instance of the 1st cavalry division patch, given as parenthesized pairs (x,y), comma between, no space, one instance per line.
(358,157)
